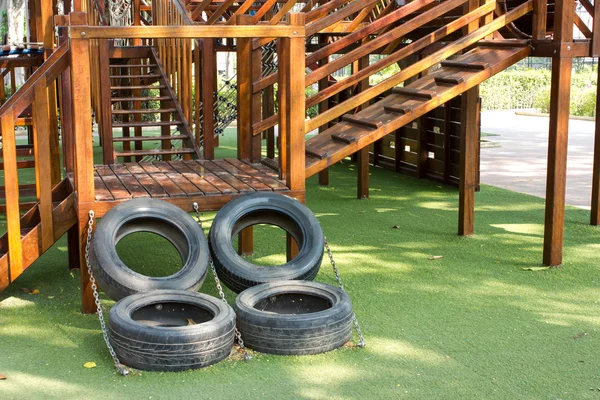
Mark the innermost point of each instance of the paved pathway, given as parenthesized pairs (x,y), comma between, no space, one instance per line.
(520,164)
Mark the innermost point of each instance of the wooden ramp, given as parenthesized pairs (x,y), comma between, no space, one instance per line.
(32,243)
(405,104)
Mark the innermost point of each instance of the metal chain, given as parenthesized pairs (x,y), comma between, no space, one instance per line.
(361,341)
(122,370)
(238,335)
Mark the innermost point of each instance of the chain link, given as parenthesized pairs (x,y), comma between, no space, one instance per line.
(238,335)
(122,370)
(361,338)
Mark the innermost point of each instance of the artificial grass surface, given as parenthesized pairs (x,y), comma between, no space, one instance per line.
(471,325)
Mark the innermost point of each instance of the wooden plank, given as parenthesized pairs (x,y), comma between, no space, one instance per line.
(243,173)
(168,185)
(264,174)
(102,192)
(43,178)
(114,185)
(129,181)
(231,180)
(244,95)
(194,178)
(11,185)
(211,178)
(187,32)
(105,111)
(595,209)
(150,185)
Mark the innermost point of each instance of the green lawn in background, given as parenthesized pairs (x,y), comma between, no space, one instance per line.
(470,325)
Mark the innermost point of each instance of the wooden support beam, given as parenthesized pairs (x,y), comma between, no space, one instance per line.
(469,146)
(595,213)
(208,97)
(362,187)
(256,105)
(323,106)
(84,156)
(105,112)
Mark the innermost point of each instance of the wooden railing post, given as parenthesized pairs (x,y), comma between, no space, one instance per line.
(43,175)
(540,9)
(283,48)
(11,190)
(84,156)
(560,92)
(323,106)
(362,188)
(295,120)
(244,82)
(208,97)
(469,163)
(104,118)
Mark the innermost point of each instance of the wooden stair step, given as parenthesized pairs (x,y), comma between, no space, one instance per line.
(149,138)
(146,111)
(134,76)
(344,138)
(21,164)
(138,87)
(476,66)
(315,152)
(508,43)
(415,93)
(157,152)
(364,122)
(398,109)
(133,65)
(143,98)
(145,124)
(448,80)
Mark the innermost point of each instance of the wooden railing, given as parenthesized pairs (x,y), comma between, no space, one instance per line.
(35,93)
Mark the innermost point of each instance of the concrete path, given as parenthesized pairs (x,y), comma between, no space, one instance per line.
(520,163)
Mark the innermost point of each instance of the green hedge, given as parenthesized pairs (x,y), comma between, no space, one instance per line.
(530,89)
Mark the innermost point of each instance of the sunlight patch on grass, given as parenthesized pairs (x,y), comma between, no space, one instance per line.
(438,205)
(15,302)
(531,229)
(37,387)
(389,348)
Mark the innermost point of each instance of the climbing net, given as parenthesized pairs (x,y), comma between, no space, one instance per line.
(120,14)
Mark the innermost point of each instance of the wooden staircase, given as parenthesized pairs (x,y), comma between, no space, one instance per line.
(141,99)
(33,244)
(404,104)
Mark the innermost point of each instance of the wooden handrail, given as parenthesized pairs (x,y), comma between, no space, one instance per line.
(186,32)
(47,73)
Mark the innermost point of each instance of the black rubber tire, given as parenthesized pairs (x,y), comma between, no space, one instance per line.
(161,348)
(147,215)
(294,334)
(265,208)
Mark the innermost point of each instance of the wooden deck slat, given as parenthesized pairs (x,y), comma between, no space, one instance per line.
(151,186)
(274,184)
(129,181)
(102,192)
(184,184)
(194,178)
(243,176)
(237,184)
(211,178)
(168,185)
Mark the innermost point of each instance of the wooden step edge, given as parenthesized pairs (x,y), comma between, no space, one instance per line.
(146,111)
(145,124)
(133,65)
(344,139)
(140,87)
(506,43)
(397,109)
(315,152)
(476,66)
(134,76)
(414,93)
(367,123)
(115,99)
(158,152)
(149,138)
(448,80)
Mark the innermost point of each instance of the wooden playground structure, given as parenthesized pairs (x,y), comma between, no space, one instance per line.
(155,81)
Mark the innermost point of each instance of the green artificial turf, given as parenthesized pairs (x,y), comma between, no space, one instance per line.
(470,325)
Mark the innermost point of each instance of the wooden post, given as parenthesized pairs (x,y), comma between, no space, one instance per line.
(362,188)
(208,93)
(282,100)
(540,9)
(323,106)
(560,91)
(43,178)
(595,213)
(105,118)
(11,190)
(245,117)
(469,146)
(84,156)
(295,117)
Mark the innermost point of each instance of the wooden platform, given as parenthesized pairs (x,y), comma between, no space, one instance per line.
(209,183)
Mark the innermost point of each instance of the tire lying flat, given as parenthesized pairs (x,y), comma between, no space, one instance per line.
(294,317)
(171,330)
(265,208)
(158,217)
